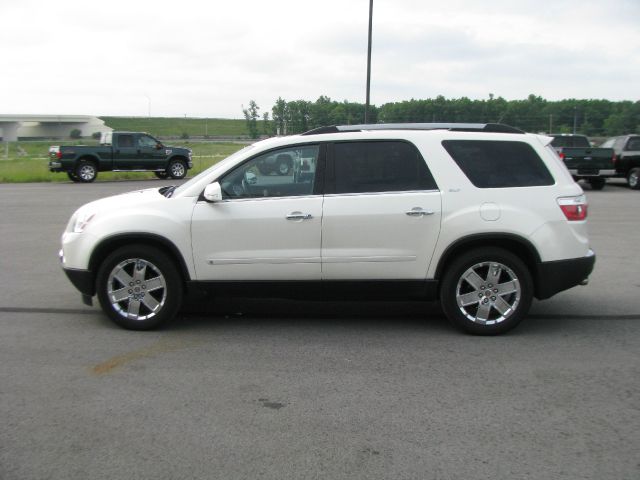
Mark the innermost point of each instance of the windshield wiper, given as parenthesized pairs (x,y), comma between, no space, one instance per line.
(167,191)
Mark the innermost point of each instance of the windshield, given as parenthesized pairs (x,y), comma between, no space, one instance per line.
(185,186)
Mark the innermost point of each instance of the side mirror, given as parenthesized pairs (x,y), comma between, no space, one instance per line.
(213,192)
(159,146)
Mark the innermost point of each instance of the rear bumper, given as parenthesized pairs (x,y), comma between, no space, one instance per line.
(554,277)
(595,172)
(55,166)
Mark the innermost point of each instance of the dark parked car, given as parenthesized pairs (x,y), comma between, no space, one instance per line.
(626,158)
(583,161)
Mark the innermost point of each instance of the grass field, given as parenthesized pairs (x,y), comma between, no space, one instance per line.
(28,161)
(176,127)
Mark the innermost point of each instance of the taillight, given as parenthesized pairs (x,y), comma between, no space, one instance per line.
(574,208)
(58,154)
(614,159)
(561,155)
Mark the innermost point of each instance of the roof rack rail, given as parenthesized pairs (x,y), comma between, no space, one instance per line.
(454,127)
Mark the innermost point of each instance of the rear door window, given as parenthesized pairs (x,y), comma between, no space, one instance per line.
(125,141)
(498,164)
(379,166)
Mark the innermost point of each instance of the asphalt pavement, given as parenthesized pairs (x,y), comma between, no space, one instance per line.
(289,389)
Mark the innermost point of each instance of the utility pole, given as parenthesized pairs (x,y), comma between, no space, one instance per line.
(366,107)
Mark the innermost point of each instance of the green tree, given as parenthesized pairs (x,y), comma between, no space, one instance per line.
(279,114)
(251,116)
(267,128)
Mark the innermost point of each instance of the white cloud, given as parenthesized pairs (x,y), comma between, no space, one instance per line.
(206,59)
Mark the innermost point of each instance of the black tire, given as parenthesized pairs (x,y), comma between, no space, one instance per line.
(161,175)
(633,179)
(139,287)
(177,169)
(73,177)
(500,299)
(86,171)
(597,183)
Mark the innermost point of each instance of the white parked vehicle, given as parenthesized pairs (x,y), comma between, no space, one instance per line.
(483,217)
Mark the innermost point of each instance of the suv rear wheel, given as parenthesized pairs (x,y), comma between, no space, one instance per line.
(139,287)
(486,291)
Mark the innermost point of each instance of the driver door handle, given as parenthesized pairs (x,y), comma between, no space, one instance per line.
(299,216)
(419,212)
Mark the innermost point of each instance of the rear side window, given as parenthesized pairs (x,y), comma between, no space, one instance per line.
(383,166)
(125,140)
(571,141)
(497,164)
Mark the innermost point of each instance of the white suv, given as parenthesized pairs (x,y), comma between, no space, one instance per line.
(483,217)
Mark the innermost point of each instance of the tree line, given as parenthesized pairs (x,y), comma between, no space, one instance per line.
(594,118)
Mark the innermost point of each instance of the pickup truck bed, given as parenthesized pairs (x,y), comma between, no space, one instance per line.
(584,161)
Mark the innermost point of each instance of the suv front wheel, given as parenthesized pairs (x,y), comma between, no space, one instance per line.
(139,287)
(487,291)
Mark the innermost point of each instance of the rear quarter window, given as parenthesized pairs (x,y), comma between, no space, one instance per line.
(498,164)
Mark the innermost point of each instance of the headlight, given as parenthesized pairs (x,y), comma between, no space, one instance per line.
(81,221)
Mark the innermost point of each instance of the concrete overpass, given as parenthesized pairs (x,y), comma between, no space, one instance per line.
(25,127)
(13,127)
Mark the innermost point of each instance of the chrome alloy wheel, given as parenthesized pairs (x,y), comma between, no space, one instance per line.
(136,289)
(177,170)
(633,179)
(87,172)
(488,293)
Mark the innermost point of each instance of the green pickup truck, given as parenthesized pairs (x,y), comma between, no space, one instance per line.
(583,161)
(120,152)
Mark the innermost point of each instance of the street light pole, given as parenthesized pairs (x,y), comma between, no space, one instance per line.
(366,107)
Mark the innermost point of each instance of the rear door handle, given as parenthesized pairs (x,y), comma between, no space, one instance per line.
(299,216)
(419,212)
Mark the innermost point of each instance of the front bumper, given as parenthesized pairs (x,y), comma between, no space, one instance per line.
(554,277)
(83,280)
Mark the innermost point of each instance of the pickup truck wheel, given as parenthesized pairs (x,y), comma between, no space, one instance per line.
(86,171)
(177,169)
(139,287)
(597,183)
(161,175)
(633,179)
(73,177)
(487,291)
